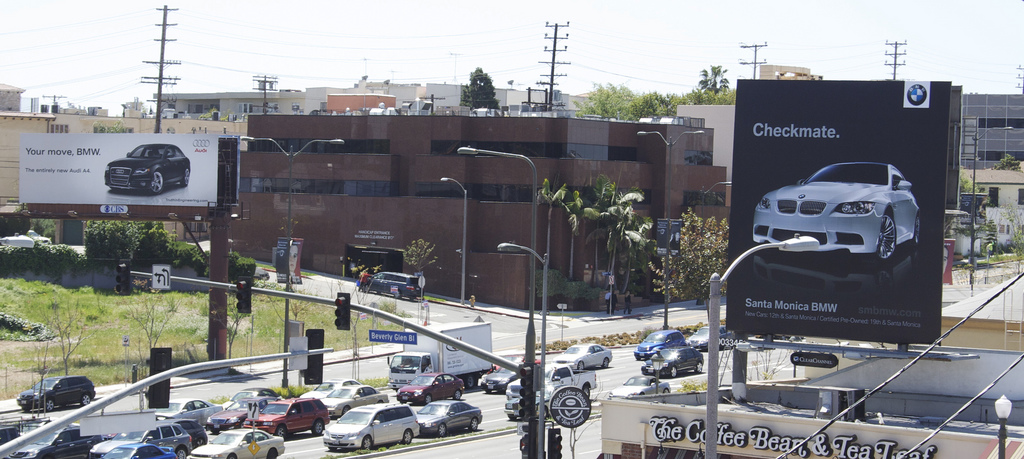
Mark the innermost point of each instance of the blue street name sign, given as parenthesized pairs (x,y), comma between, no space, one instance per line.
(385,336)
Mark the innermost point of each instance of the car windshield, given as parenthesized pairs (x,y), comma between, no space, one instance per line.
(671,354)
(227,438)
(325,387)
(244,394)
(47,439)
(361,418)
(276,408)
(874,174)
(345,392)
(502,371)
(422,380)
(574,350)
(433,410)
(702,333)
(638,381)
(657,338)
(172,407)
(144,151)
(405,362)
(135,436)
(120,453)
(47,384)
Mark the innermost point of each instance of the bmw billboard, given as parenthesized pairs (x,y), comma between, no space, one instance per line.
(861,167)
(118,169)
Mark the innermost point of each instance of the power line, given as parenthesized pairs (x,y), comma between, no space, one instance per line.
(895,55)
(755,63)
(1020,77)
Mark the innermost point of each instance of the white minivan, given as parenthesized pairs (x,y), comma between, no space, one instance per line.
(367,426)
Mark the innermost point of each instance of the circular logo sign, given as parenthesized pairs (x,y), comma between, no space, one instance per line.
(917,94)
(570,406)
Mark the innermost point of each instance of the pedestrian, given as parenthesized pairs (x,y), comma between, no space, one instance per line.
(608,302)
(614,300)
(629,303)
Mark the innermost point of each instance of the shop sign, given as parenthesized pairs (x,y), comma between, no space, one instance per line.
(668,430)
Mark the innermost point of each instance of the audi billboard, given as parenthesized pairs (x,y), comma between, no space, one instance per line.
(861,167)
(118,169)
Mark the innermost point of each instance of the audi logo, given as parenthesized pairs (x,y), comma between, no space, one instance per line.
(198,143)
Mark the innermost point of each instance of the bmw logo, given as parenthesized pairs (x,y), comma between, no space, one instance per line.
(801,196)
(917,95)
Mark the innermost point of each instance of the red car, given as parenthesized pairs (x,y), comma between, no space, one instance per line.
(283,417)
(428,387)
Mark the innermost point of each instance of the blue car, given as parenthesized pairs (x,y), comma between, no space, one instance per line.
(140,451)
(657,341)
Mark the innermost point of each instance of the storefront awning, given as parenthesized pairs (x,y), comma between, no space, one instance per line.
(1014,450)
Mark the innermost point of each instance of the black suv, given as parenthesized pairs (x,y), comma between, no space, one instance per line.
(63,444)
(57,391)
(149,167)
(397,285)
(676,359)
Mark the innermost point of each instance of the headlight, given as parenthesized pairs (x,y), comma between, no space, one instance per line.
(141,170)
(31,453)
(218,455)
(765,203)
(856,207)
(429,424)
(233,420)
(417,393)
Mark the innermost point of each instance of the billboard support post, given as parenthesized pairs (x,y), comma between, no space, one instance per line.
(797,244)
(974,194)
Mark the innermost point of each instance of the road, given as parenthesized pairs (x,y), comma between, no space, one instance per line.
(509,333)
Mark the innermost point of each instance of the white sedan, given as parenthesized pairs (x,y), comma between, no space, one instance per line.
(188,408)
(235,443)
(585,355)
(640,385)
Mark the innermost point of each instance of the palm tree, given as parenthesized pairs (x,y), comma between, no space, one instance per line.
(573,205)
(617,224)
(553,199)
(713,80)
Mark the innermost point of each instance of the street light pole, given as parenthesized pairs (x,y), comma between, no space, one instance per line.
(465,201)
(288,279)
(703,196)
(1003,408)
(797,244)
(668,207)
(974,196)
(509,247)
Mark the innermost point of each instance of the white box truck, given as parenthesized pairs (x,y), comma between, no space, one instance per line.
(429,355)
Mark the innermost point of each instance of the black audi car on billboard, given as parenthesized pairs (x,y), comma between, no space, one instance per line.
(149,167)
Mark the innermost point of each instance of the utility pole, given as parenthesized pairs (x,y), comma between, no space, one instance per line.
(754,62)
(1020,77)
(264,83)
(549,99)
(160,80)
(895,55)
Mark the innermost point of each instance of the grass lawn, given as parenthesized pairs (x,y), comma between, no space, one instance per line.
(99,318)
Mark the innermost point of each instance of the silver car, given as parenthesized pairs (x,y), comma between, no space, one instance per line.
(860,207)
(165,433)
(367,426)
(188,408)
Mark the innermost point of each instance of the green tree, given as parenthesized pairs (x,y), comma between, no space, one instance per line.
(607,101)
(111,240)
(479,93)
(419,255)
(651,104)
(618,225)
(11,225)
(703,246)
(702,97)
(1008,163)
(713,79)
(117,128)
(552,198)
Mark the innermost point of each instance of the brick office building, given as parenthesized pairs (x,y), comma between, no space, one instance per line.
(363,202)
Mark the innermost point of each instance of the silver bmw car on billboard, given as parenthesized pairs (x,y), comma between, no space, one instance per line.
(860,207)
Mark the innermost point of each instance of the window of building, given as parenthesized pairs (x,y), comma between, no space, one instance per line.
(245,108)
(1020,196)
(993,196)
(59,129)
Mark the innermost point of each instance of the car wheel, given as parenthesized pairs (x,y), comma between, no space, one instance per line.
(665,391)
(457,395)
(474,423)
(232,456)
(442,430)
(157,184)
(672,372)
(215,431)
(470,381)
(511,417)
(318,427)
(345,410)
(182,453)
(272,454)
(49,405)
(580,366)
(407,437)
(605,362)
(367,442)
(86,399)
(699,368)
(185,178)
(281,431)
(886,238)
(199,442)
(427,399)
(586,390)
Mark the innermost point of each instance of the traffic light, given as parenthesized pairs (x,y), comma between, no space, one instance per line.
(527,392)
(159,394)
(243,293)
(314,373)
(342,311)
(554,443)
(524,442)
(124,277)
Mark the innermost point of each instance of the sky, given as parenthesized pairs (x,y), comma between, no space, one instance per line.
(93,54)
